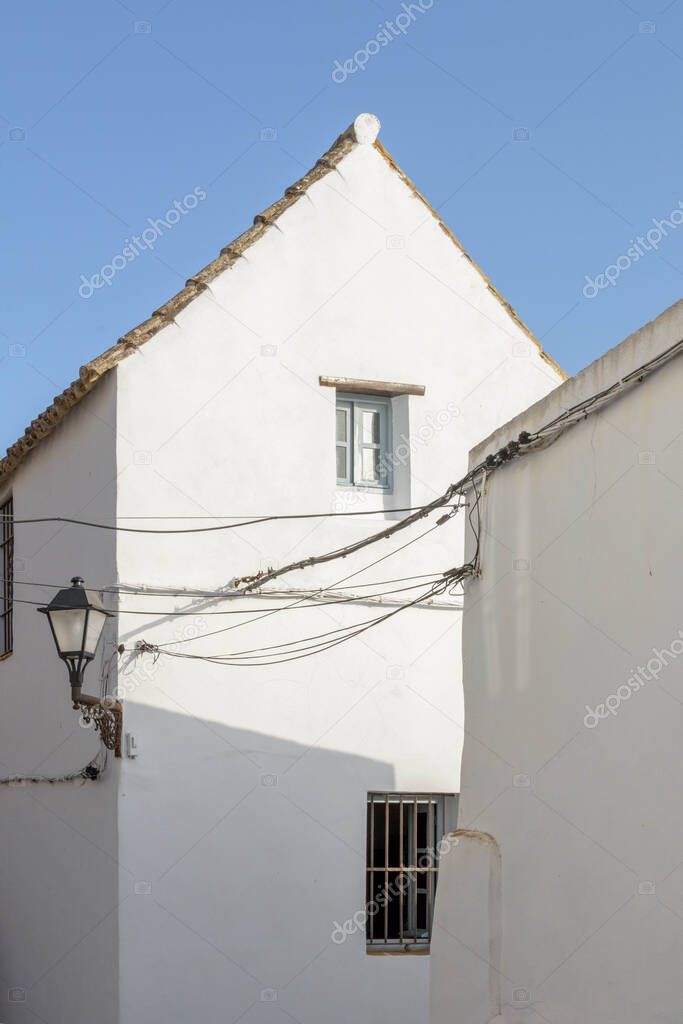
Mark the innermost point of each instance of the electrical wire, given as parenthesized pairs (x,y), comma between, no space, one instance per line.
(296,643)
(324,590)
(129,590)
(317,636)
(245,520)
(298,649)
(316,600)
(525,443)
(260,578)
(580,410)
(304,652)
(90,772)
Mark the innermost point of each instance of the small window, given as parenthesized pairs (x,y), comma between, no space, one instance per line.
(6,576)
(363,441)
(404,831)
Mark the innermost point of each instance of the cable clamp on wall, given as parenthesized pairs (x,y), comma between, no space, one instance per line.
(144,647)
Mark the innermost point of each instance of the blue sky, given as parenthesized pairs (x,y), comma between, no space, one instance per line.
(548,135)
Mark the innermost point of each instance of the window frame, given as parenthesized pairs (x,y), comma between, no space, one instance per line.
(6,577)
(345,407)
(410,938)
(352,405)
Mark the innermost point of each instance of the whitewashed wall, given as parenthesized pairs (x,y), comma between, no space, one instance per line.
(243,818)
(59,856)
(580,587)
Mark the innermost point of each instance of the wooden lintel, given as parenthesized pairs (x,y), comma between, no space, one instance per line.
(354,385)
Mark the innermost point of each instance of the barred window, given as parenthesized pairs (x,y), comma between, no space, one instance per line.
(404,832)
(6,575)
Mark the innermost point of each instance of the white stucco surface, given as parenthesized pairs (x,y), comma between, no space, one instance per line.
(469,932)
(59,863)
(260,874)
(241,823)
(581,565)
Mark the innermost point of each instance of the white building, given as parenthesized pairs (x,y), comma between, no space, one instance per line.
(215,876)
(562,900)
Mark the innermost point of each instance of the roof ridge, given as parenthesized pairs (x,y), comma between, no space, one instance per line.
(363,131)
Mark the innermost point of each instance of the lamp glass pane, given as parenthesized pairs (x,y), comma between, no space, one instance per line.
(68,625)
(94,631)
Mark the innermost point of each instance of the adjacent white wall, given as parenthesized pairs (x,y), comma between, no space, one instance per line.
(466,934)
(243,818)
(580,586)
(59,852)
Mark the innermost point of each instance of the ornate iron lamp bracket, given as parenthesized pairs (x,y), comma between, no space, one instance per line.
(106,716)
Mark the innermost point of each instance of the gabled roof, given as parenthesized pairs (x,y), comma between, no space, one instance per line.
(364,130)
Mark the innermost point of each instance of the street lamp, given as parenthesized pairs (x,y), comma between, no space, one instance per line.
(77,618)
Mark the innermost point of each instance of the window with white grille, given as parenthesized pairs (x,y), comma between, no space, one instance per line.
(404,832)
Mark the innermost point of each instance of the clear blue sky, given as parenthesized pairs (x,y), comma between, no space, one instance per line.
(104,123)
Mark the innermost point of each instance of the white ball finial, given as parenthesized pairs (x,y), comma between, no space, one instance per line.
(366,128)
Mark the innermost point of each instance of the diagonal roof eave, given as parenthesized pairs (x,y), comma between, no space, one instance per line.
(93,371)
(364,129)
(456,241)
